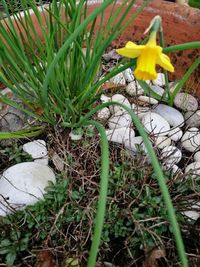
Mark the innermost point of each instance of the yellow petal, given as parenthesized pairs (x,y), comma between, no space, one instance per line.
(131,50)
(146,63)
(164,61)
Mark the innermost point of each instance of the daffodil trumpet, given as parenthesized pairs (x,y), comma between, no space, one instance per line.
(148,56)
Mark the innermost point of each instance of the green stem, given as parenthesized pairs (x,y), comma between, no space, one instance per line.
(159,175)
(165,72)
(180,47)
(101,209)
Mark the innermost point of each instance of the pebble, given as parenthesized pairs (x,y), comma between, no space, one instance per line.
(170,114)
(192,214)
(171,155)
(193,169)
(23,184)
(191,139)
(160,80)
(192,119)
(105,99)
(197,156)
(120,99)
(175,134)
(133,88)
(128,75)
(118,79)
(140,111)
(135,144)
(103,114)
(155,124)
(37,149)
(158,90)
(120,135)
(162,141)
(174,169)
(119,120)
(186,102)
(147,99)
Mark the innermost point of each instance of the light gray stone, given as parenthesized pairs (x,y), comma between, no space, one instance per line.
(170,114)
(193,169)
(118,79)
(120,135)
(23,184)
(135,144)
(160,80)
(171,155)
(128,75)
(186,102)
(103,114)
(158,90)
(162,141)
(192,119)
(120,99)
(119,120)
(175,134)
(147,99)
(37,149)
(155,124)
(133,88)
(197,156)
(191,139)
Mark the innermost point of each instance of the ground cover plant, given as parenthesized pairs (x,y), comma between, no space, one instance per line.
(46,78)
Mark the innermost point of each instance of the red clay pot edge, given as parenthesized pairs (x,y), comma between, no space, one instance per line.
(180,23)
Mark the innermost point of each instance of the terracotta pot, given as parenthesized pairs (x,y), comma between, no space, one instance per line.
(180,24)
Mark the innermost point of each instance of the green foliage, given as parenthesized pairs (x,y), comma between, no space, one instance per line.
(14,154)
(55,77)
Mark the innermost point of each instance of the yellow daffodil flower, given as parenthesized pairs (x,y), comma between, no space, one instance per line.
(147,57)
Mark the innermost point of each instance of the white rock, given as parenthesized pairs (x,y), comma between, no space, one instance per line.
(135,144)
(75,136)
(119,120)
(160,80)
(171,155)
(120,99)
(197,156)
(128,75)
(147,99)
(173,116)
(105,99)
(103,114)
(192,214)
(191,139)
(186,102)
(172,86)
(162,141)
(175,134)
(37,149)
(193,169)
(118,79)
(174,169)
(158,90)
(120,135)
(23,184)
(155,124)
(140,111)
(192,118)
(133,88)
(43,161)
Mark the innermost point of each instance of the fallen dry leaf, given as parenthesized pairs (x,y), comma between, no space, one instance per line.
(152,256)
(45,259)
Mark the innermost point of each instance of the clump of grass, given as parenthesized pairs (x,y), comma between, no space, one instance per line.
(136,218)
